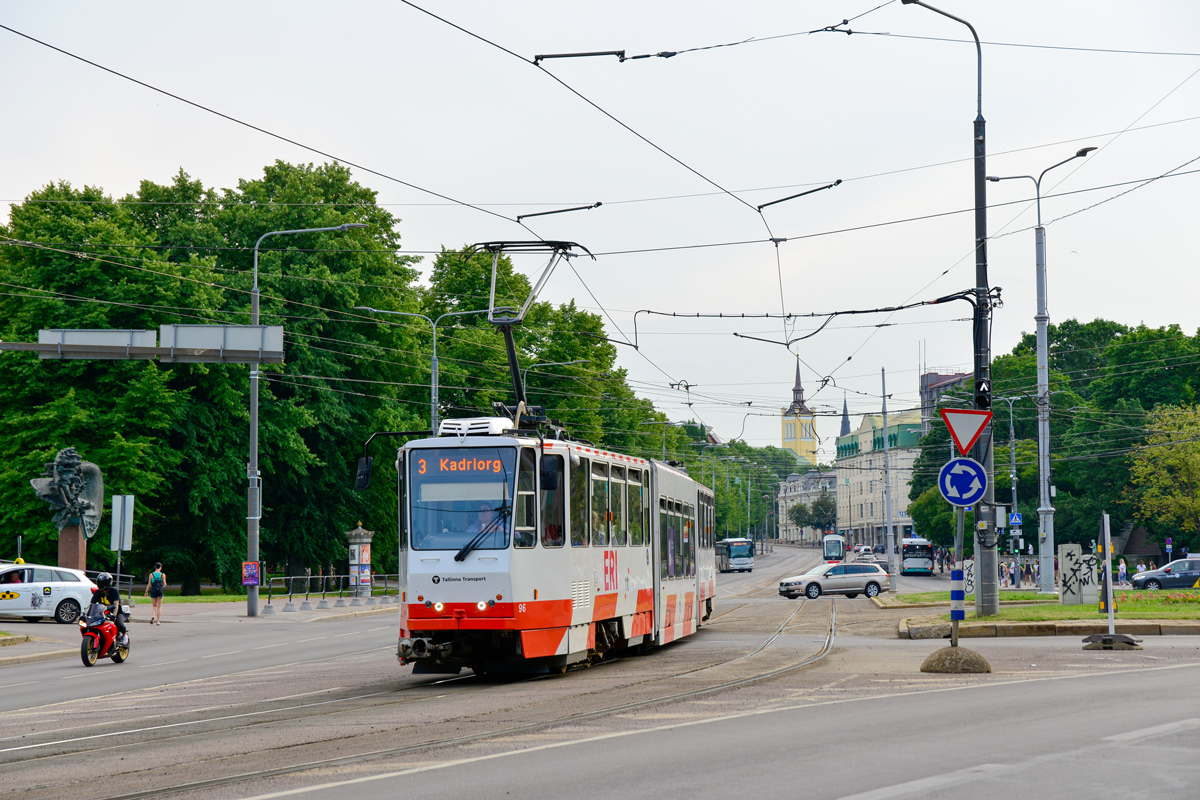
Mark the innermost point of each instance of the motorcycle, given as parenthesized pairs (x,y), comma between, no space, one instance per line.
(100,636)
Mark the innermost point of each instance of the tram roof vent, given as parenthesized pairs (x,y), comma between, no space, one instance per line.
(474,426)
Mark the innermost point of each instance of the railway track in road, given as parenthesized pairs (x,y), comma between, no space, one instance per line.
(567,719)
(253,723)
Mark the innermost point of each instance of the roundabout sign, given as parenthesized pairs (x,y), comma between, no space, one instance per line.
(962,481)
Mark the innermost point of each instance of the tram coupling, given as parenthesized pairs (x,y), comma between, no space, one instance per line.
(417,649)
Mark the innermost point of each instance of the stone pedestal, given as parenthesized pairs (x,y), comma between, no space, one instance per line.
(72,548)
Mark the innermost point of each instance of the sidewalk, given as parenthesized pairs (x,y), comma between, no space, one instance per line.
(45,640)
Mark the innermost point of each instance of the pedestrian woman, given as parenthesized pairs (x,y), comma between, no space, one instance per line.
(1122,580)
(155,585)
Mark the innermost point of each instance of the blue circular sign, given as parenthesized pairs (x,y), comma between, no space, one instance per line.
(962,481)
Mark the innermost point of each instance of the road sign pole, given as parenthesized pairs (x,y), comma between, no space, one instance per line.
(957,595)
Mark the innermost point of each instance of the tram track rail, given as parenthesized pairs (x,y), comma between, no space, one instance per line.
(513,730)
(244,723)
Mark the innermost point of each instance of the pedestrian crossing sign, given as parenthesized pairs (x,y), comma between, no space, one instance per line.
(1014,518)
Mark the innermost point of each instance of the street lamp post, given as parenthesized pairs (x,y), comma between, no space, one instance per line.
(664,439)
(987,595)
(254,490)
(1045,506)
(433,362)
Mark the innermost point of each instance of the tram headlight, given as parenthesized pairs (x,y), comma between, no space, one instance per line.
(482,606)
(438,607)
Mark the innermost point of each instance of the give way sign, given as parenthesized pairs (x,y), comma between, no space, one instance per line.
(965,426)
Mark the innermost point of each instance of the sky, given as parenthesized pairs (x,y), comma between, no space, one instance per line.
(440,107)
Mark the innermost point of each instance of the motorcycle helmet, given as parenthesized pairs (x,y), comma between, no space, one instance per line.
(103,581)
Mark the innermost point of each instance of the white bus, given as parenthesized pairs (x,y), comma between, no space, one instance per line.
(916,557)
(735,555)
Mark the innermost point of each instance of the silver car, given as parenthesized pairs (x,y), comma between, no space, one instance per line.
(848,579)
(34,591)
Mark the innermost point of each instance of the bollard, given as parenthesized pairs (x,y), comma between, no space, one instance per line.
(341,601)
(289,606)
(306,606)
(268,608)
(324,603)
(385,600)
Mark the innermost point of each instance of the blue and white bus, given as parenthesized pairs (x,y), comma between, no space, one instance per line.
(916,557)
(735,555)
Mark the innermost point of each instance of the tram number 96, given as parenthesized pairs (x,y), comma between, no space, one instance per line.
(610,571)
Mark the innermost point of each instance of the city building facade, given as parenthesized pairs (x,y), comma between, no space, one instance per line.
(862,515)
(805,489)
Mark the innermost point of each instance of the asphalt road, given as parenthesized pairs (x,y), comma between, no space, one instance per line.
(321,709)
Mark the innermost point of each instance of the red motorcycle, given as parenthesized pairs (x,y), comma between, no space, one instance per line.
(100,636)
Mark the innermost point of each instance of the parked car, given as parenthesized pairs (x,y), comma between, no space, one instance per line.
(848,579)
(879,548)
(34,591)
(1183,573)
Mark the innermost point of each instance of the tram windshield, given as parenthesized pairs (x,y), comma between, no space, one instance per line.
(461,497)
(835,548)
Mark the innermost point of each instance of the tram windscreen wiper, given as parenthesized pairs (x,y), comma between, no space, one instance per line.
(484,532)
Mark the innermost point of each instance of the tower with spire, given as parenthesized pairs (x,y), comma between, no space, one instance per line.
(797,430)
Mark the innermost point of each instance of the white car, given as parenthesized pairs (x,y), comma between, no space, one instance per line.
(34,591)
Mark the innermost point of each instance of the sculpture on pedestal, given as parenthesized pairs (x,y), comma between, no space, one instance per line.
(74,488)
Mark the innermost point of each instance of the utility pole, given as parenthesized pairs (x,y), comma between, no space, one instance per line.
(890,537)
(1012,451)
(987,594)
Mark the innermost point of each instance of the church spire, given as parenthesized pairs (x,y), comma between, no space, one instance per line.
(798,406)
(845,418)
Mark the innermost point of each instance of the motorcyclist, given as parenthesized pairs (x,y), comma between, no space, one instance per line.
(107,595)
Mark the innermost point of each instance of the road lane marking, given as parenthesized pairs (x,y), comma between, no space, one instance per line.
(302,641)
(269,646)
(339,635)
(924,786)
(972,773)
(1157,730)
(162,664)
(15,685)
(218,655)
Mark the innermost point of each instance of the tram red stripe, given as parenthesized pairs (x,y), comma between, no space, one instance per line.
(535,644)
(604,606)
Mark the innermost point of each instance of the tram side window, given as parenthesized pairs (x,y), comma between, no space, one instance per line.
(552,505)
(579,489)
(680,555)
(600,512)
(689,527)
(616,501)
(525,523)
(635,508)
(666,551)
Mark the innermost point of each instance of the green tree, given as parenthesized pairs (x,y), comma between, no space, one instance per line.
(1075,350)
(1167,470)
(1155,366)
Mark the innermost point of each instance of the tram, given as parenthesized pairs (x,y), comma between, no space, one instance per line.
(523,550)
(834,546)
(522,553)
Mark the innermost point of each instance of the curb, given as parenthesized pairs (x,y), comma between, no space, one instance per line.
(32,657)
(7,640)
(927,628)
(353,614)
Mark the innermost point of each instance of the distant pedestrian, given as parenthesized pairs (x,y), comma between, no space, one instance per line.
(1152,565)
(1014,577)
(1122,580)
(1028,574)
(156,585)
(1141,566)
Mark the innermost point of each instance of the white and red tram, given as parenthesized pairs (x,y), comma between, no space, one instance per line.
(520,553)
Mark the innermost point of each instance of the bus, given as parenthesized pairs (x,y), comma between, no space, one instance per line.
(916,557)
(735,555)
(834,545)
